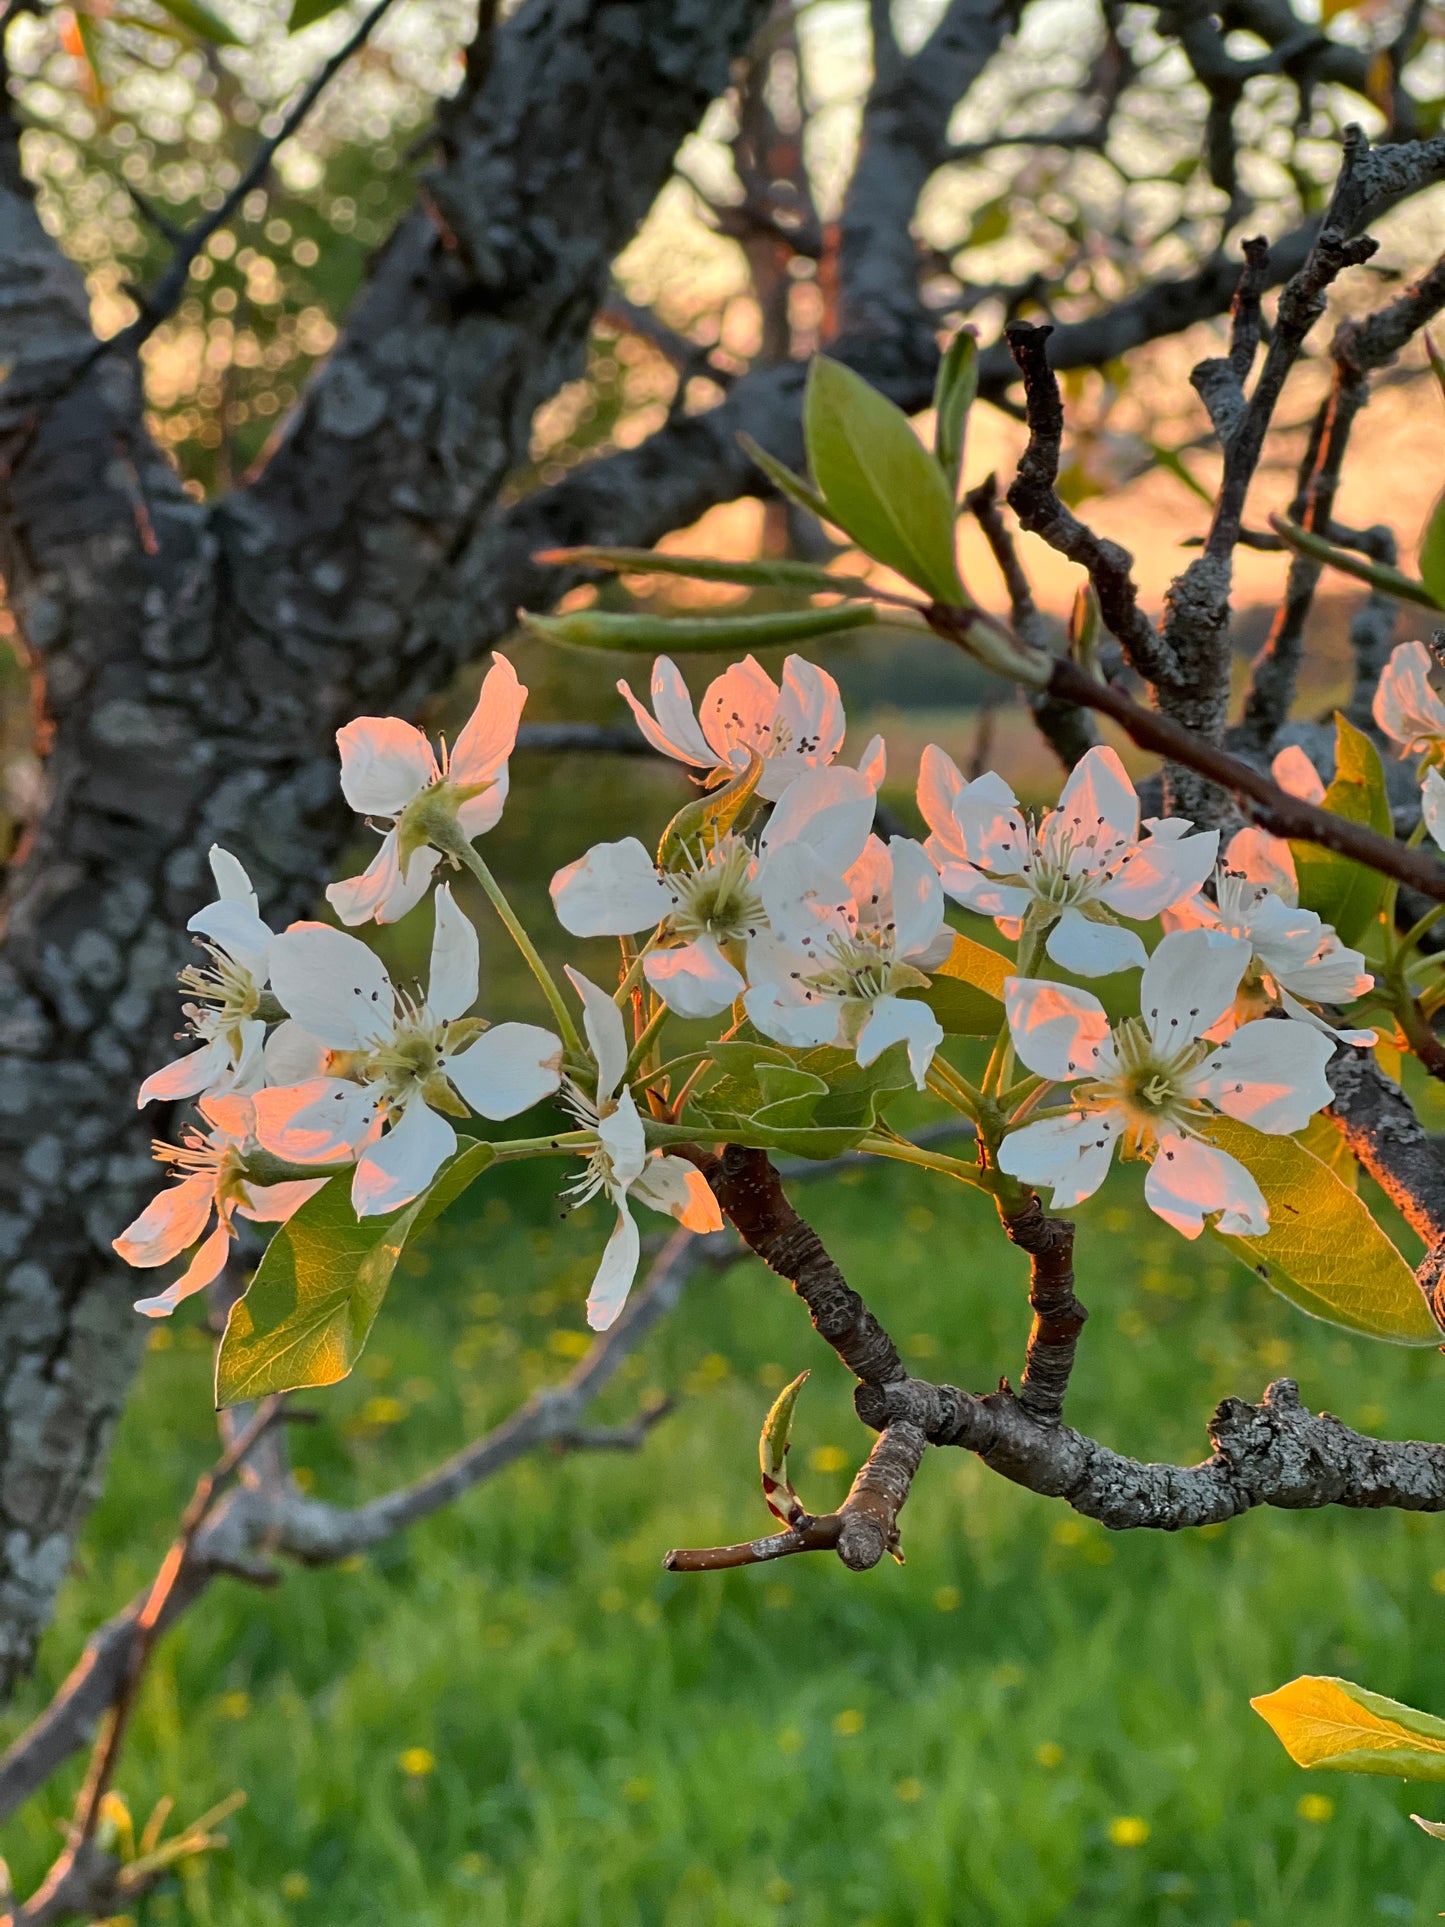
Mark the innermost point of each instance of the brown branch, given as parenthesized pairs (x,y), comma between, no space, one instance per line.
(1058,1316)
(1033,498)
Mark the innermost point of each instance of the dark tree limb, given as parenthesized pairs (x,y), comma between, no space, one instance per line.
(1058,1316)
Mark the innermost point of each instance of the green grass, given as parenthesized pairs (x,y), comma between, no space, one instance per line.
(937,1745)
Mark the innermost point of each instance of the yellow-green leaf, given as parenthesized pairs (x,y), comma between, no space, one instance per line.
(200,21)
(954,393)
(305,13)
(701,825)
(1334,1725)
(316,1293)
(881,485)
(600,629)
(1432,552)
(1323,1250)
(1379,575)
(1344,893)
(966,991)
(782,477)
(773,572)
(777,1432)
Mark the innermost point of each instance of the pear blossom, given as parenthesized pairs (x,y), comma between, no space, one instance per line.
(1153,1083)
(620,1165)
(710,907)
(229,992)
(212,1180)
(1267,859)
(1296,959)
(1075,871)
(796,728)
(1408,706)
(389,770)
(839,951)
(410,1063)
(1432,805)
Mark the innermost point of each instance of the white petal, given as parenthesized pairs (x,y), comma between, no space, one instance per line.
(490,733)
(992,832)
(940,781)
(895,1020)
(675,733)
(237,930)
(917,898)
(332,985)
(829,811)
(1158,873)
(1092,949)
(275,1203)
(322,1121)
(873,763)
(381,891)
(384,764)
(695,979)
(1406,706)
(455,959)
(232,883)
(508,1069)
(1189,1181)
(1190,982)
(975,891)
(807,901)
(606,1032)
(622,1138)
(1099,805)
(613,891)
(1265,859)
(737,712)
(482,813)
(208,1263)
(1295,773)
(615,1273)
(790,1020)
(399,1166)
(173,1219)
(230,1116)
(201,1070)
(680,1189)
(1270,1074)
(1432,805)
(1071,1155)
(1056,1031)
(293,1055)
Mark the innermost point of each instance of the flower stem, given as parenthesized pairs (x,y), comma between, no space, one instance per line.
(889,1147)
(646,1038)
(466,854)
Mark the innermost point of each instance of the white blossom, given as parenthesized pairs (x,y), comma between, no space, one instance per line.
(389,770)
(839,951)
(1296,959)
(1074,872)
(796,728)
(710,908)
(210,1169)
(620,1166)
(397,1060)
(1267,859)
(1408,707)
(228,992)
(1152,1084)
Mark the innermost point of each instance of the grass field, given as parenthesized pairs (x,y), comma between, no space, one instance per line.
(514,1718)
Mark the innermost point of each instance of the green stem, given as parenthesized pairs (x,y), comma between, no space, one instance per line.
(888,1147)
(463,850)
(645,1041)
(539,1147)
(955,1091)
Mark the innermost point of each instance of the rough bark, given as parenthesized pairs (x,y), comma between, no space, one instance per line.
(197,659)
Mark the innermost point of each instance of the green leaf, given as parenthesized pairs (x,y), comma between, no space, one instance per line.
(814,1104)
(880,483)
(1345,893)
(1323,1250)
(305,13)
(1323,1141)
(773,1444)
(966,991)
(701,825)
(597,629)
(782,477)
(773,574)
(1432,553)
(954,393)
(1171,460)
(1335,1726)
(318,1289)
(1378,574)
(200,21)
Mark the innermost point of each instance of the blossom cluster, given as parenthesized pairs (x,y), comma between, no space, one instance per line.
(785,917)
